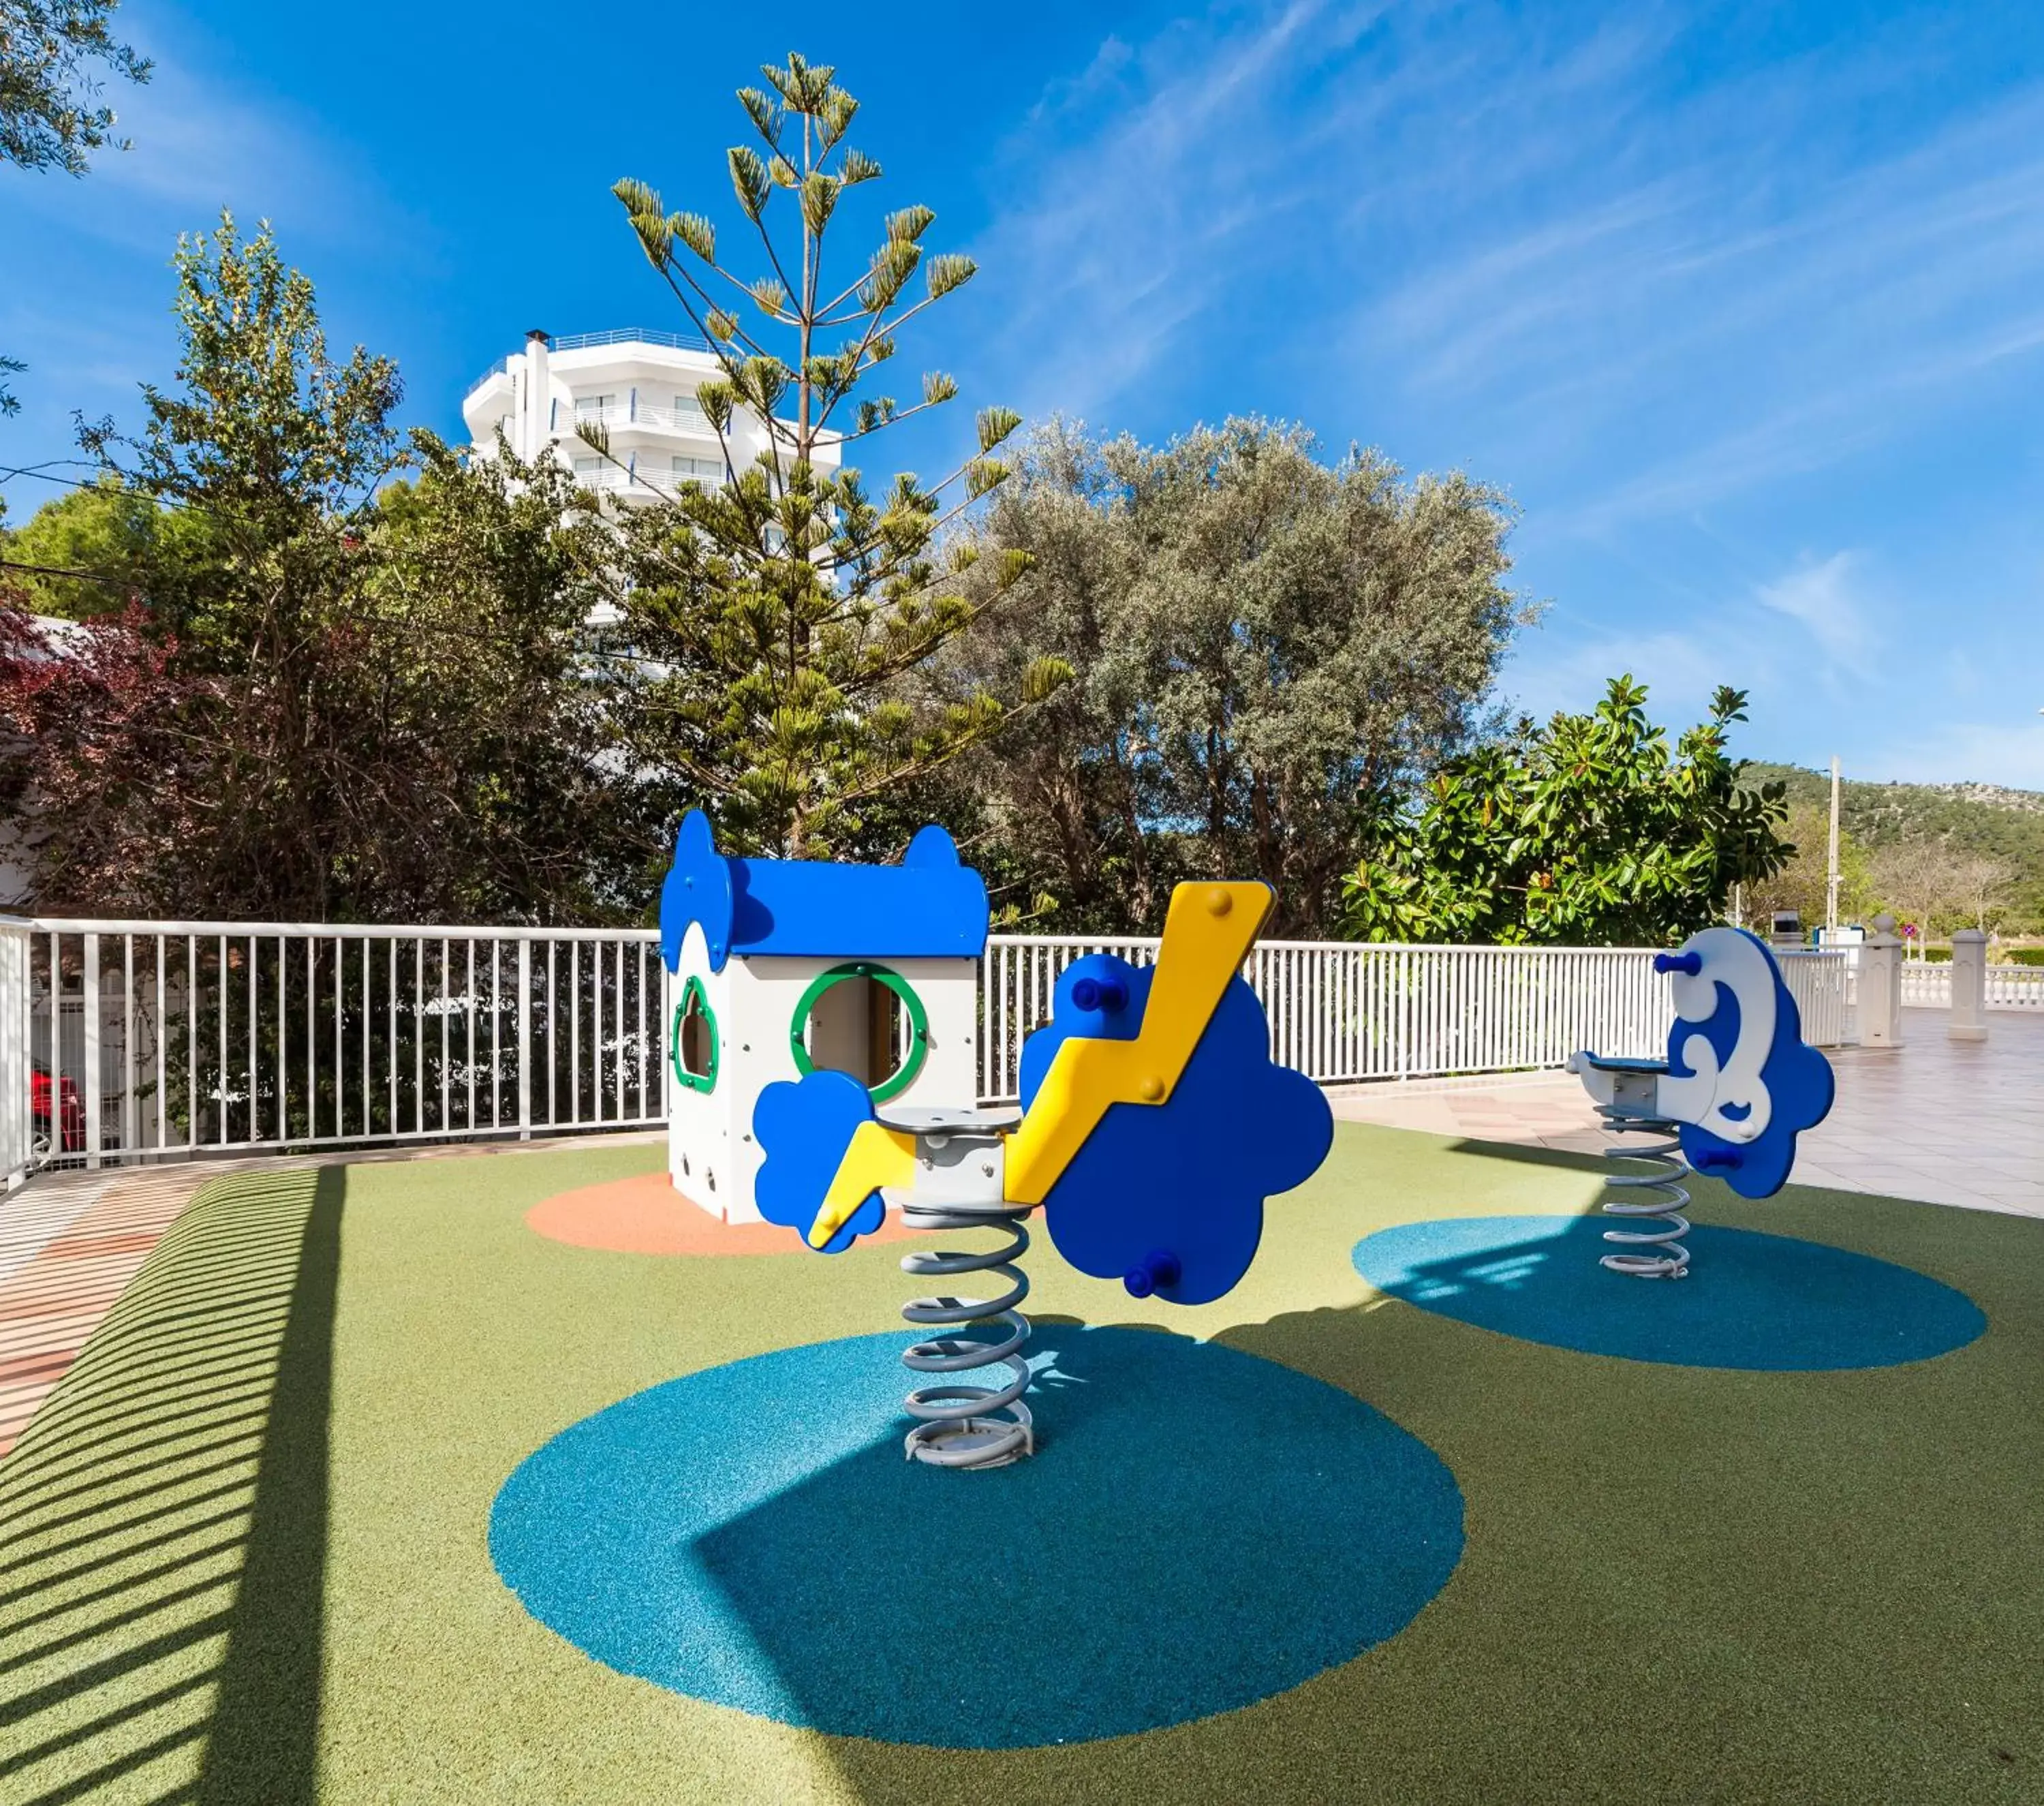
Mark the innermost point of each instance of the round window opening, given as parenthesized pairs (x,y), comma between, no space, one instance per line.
(692,1044)
(863,1020)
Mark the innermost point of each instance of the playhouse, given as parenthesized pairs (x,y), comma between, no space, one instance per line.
(780,968)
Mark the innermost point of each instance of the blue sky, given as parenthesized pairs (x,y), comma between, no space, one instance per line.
(1743,305)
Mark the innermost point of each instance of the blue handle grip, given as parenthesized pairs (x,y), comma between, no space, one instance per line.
(1160,1267)
(1690,964)
(1108,993)
(1711,1157)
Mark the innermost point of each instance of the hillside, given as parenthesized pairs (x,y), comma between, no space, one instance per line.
(2007,824)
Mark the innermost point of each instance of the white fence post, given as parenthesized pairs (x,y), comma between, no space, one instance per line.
(1881,986)
(520,1017)
(89,1079)
(1968,1017)
(16,1059)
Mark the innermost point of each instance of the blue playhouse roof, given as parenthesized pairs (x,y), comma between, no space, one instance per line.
(929,907)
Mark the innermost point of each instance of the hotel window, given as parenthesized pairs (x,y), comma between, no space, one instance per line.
(594,407)
(708,469)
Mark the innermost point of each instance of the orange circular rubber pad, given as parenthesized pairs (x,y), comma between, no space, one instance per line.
(645,1215)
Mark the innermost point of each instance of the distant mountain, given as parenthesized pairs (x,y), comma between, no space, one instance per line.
(1974,818)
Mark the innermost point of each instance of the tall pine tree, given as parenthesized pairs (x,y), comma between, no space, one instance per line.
(776,612)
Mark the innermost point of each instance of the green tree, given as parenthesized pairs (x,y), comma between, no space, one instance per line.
(349,706)
(50,114)
(1586,831)
(127,546)
(1263,644)
(776,613)
(1801,883)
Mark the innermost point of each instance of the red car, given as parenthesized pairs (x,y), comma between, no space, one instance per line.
(73,1111)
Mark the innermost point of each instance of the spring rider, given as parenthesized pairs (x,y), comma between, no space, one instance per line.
(1737,1086)
(1153,1125)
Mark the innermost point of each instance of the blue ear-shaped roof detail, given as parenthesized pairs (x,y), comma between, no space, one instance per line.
(804,1127)
(931,845)
(1796,1078)
(1185,1179)
(929,907)
(697,888)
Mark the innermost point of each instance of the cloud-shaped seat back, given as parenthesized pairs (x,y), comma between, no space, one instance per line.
(1171,1196)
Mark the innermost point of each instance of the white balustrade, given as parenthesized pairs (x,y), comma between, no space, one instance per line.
(1343,1010)
(1927,984)
(160,1039)
(182,1038)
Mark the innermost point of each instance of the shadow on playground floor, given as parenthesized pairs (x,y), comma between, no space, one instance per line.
(165,1520)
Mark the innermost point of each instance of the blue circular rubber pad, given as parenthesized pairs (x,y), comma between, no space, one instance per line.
(1198,1528)
(1766,1303)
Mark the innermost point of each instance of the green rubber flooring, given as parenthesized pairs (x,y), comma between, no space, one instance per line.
(243,1547)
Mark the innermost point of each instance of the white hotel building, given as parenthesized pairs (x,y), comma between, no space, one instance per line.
(639,384)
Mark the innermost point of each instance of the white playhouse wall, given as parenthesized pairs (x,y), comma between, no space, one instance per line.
(712,1155)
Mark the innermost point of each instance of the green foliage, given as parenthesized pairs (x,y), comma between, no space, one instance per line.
(1584,832)
(775,616)
(50,114)
(129,544)
(335,705)
(1930,844)
(49,117)
(1263,643)
(1801,883)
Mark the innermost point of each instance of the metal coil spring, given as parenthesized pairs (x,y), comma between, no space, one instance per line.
(970,1426)
(1645,1253)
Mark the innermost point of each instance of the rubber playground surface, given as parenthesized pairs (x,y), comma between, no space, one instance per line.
(369,1489)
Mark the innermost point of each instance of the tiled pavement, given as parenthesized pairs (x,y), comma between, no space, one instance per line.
(1950,1123)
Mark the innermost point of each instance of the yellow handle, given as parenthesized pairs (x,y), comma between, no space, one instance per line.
(875,1156)
(1207,934)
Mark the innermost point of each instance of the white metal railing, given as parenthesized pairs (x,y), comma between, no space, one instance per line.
(1822,982)
(629,335)
(181,1037)
(645,414)
(674,419)
(140,1040)
(609,476)
(17,1066)
(1927,984)
(1342,1010)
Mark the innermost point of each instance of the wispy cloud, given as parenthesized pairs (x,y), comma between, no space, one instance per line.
(1681,293)
(2010,753)
(1569,671)
(198,145)
(1135,186)
(1819,598)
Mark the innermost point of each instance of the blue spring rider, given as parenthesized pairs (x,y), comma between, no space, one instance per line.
(1737,1086)
(1153,1125)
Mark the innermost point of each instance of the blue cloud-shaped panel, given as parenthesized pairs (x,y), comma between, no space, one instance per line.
(804,1127)
(1168,1198)
(697,888)
(1798,1080)
(929,907)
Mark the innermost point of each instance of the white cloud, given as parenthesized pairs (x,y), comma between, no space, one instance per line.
(1568,670)
(1137,190)
(1819,598)
(2010,753)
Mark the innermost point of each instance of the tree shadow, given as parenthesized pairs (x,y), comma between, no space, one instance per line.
(165,1518)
